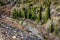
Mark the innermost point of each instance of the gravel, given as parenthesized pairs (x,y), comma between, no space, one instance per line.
(11,33)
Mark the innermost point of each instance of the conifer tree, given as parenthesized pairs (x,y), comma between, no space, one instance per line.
(29,14)
(56,30)
(15,13)
(51,28)
(23,12)
(48,16)
(1,3)
(39,17)
(33,12)
(20,14)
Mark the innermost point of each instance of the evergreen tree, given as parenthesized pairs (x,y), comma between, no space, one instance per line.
(48,16)
(33,12)
(39,17)
(29,14)
(51,28)
(15,13)
(23,12)
(56,30)
(20,14)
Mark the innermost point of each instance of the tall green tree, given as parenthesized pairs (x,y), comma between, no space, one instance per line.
(48,15)
(33,12)
(20,14)
(24,12)
(29,14)
(51,28)
(15,13)
(56,30)
(39,17)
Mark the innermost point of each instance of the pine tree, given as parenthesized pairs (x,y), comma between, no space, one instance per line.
(29,14)
(20,14)
(39,17)
(33,12)
(23,12)
(15,13)
(51,28)
(56,30)
(48,16)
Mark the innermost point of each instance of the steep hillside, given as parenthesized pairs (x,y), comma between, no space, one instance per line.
(29,19)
